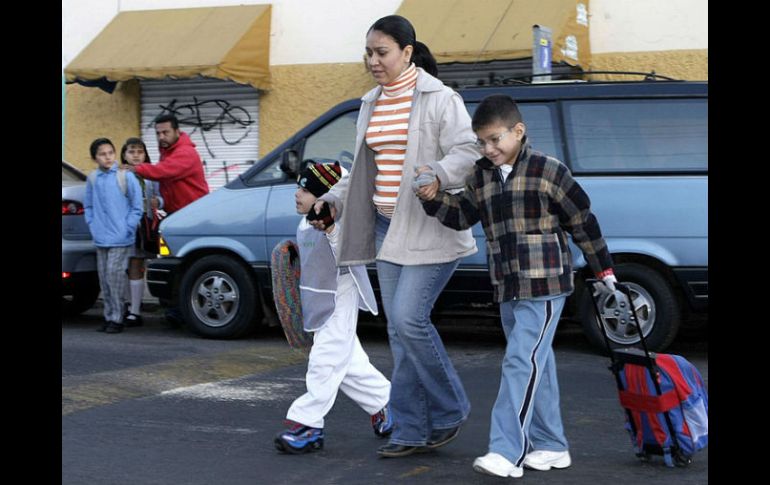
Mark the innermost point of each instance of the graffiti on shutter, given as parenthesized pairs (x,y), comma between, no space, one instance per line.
(221,117)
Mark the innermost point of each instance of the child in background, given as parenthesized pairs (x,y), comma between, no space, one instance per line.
(331,297)
(527,203)
(134,152)
(113,206)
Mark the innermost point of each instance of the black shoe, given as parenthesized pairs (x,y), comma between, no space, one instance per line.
(103,326)
(440,437)
(114,328)
(133,320)
(392,450)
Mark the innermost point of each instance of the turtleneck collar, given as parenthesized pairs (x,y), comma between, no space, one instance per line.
(405,81)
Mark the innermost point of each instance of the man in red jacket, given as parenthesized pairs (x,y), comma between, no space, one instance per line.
(180,170)
(179,174)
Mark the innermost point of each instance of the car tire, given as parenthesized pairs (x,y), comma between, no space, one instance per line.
(83,295)
(218,298)
(656,305)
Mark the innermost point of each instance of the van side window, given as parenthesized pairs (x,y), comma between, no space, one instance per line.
(270,174)
(648,136)
(336,140)
(540,119)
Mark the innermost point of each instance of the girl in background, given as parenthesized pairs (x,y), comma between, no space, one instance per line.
(134,152)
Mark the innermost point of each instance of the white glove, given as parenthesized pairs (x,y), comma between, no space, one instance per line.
(605,286)
(425,178)
(609,281)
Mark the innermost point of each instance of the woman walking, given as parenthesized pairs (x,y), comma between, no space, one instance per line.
(409,120)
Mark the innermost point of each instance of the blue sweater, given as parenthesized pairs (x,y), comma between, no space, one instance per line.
(112,216)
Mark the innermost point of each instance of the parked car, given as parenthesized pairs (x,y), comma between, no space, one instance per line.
(639,149)
(80,282)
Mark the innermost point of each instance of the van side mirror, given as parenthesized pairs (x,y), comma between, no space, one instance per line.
(290,163)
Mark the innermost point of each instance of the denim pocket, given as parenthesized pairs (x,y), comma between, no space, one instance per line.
(539,255)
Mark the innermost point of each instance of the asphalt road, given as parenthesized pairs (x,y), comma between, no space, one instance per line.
(158,405)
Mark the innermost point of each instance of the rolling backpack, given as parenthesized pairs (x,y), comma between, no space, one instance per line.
(663,395)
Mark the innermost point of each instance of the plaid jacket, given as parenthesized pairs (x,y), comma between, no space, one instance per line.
(524,219)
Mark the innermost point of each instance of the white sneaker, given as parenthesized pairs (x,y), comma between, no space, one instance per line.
(545,460)
(497,465)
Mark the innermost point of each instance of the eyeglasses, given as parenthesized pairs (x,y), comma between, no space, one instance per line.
(493,141)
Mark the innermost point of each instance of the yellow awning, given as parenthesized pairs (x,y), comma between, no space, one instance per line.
(231,43)
(485,30)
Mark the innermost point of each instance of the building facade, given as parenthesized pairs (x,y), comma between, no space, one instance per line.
(315,60)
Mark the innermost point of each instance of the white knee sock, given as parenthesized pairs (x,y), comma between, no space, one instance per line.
(137,291)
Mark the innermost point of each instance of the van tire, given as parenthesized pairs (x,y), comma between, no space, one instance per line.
(84,293)
(656,305)
(218,298)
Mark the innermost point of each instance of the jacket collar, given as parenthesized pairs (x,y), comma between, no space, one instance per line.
(425,83)
(524,154)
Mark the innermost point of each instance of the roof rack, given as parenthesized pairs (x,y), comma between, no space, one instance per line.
(648,76)
(519,72)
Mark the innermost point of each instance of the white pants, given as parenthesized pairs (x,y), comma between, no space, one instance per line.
(337,361)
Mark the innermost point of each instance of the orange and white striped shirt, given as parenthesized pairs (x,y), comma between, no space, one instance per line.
(386,135)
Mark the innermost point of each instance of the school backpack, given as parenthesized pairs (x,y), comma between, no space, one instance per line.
(663,395)
(121,180)
(671,421)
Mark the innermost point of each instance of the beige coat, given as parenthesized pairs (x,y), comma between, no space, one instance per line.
(440,135)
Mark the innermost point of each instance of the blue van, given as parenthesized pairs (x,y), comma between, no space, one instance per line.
(639,149)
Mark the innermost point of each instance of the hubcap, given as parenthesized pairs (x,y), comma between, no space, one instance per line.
(617,315)
(215,299)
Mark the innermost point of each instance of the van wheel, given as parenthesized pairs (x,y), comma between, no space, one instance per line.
(85,291)
(656,306)
(218,298)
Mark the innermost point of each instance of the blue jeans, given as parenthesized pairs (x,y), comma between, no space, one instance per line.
(526,412)
(426,393)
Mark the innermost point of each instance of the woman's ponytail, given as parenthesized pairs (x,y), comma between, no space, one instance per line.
(422,57)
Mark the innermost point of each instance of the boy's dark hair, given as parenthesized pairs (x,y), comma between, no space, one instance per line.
(496,108)
(166,118)
(134,141)
(403,33)
(97,143)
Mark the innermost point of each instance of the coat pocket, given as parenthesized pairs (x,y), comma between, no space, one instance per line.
(495,262)
(539,255)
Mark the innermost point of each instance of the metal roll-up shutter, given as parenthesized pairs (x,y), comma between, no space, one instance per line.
(221,117)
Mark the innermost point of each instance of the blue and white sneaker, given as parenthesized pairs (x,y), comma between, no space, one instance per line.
(382,422)
(299,438)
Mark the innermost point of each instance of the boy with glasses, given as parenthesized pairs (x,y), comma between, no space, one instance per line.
(527,203)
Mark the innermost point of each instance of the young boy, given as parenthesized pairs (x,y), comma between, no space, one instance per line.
(331,297)
(525,201)
(113,206)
